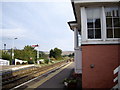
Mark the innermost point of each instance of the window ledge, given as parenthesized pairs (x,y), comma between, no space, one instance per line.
(94,39)
(113,39)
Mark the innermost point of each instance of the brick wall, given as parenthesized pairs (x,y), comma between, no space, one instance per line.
(98,63)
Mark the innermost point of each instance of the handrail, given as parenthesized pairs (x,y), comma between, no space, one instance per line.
(117,78)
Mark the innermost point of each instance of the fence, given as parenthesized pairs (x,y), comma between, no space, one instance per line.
(117,78)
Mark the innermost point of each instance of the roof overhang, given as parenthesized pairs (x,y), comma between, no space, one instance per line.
(92,1)
(76,4)
(72,25)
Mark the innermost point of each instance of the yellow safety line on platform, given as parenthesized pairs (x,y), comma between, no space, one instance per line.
(37,84)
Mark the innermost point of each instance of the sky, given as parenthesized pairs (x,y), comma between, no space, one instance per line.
(42,23)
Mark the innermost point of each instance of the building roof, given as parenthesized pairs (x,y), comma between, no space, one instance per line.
(76,4)
(89,1)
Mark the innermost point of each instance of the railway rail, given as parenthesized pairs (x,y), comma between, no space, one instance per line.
(11,79)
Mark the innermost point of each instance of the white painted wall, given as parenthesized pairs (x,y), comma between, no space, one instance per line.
(83,24)
(78,60)
(20,61)
(4,62)
(103,25)
(41,60)
(78,53)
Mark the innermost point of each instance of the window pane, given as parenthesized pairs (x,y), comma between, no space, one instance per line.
(97,33)
(90,23)
(109,22)
(90,33)
(93,13)
(116,22)
(108,14)
(117,32)
(109,33)
(117,13)
(111,11)
(97,23)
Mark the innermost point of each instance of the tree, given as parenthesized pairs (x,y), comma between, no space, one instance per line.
(51,53)
(71,55)
(28,53)
(6,56)
(19,54)
(43,55)
(56,53)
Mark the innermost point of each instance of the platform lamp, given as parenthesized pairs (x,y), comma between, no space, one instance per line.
(4,46)
(13,48)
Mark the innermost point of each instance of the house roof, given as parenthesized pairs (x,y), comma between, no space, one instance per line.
(76,4)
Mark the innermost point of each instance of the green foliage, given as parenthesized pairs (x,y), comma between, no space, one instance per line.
(56,53)
(42,55)
(71,55)
(51,53)
(28,53)
(46,61)
(19,54)
(6,56)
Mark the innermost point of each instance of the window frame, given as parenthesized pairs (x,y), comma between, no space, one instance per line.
(94,27)
(113,27)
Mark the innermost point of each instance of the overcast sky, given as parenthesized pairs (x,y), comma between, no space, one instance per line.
(43,23)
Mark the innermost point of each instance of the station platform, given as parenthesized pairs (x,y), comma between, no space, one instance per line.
(53,80)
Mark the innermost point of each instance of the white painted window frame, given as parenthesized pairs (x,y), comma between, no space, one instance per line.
(84,34)
(112,28)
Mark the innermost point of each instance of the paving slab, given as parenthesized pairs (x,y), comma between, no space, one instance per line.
(57,80)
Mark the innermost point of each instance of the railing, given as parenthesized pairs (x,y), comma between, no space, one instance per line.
(117,78)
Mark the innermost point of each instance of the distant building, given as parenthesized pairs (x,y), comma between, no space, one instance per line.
(19,61)
(40,61)
(96,41)
(4,62)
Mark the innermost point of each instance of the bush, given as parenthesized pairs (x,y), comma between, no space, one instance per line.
(46,61)
(52,61)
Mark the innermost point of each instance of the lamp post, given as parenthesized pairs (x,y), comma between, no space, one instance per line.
(13,48)
(4,46)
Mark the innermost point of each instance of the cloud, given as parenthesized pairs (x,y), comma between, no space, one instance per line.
(12,33)
(35,0)
(38,23)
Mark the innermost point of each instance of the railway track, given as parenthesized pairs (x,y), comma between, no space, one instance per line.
(12,79)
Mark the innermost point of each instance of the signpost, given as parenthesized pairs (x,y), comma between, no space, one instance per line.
(37,49)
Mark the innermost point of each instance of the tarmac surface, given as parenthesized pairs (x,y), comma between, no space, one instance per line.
(57,80)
